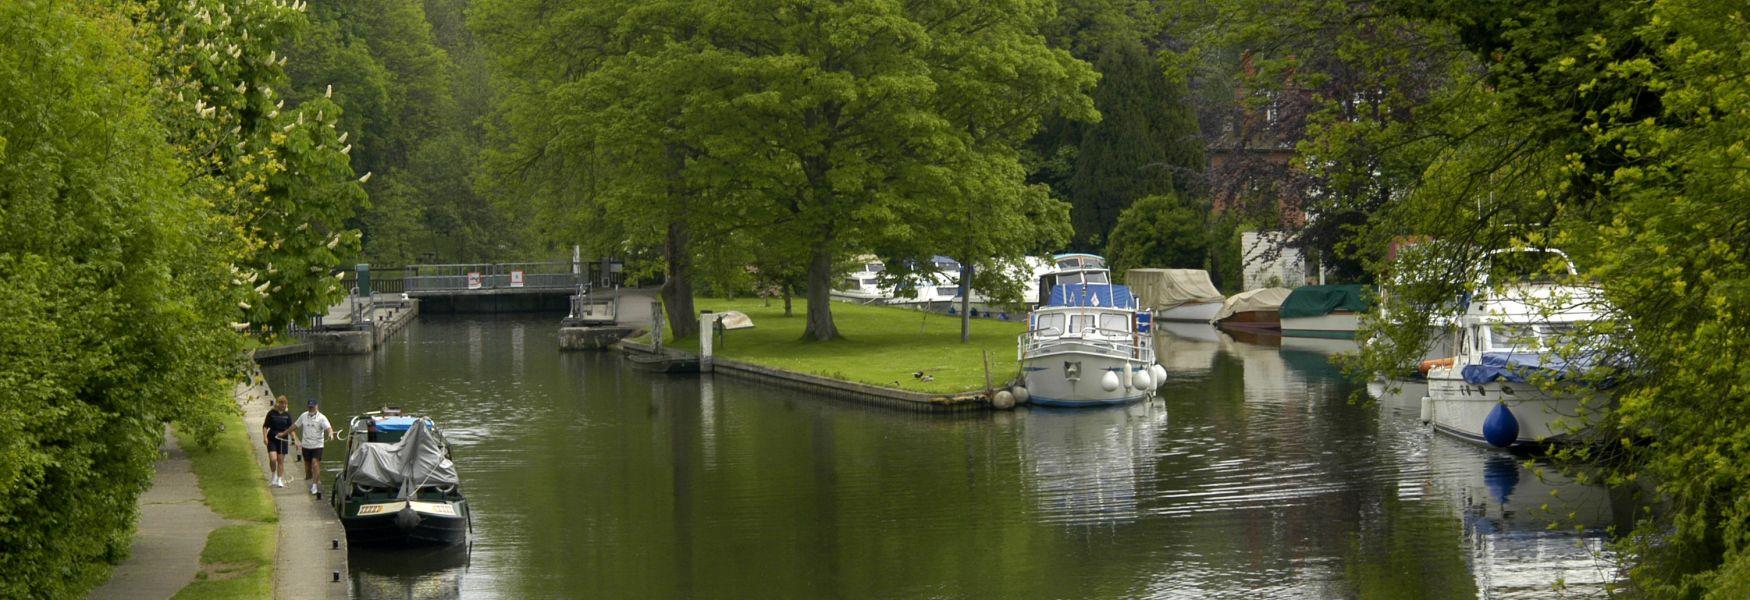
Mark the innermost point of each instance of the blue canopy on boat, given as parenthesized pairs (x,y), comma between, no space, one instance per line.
(1105,295)
(395,423)
(1516,367)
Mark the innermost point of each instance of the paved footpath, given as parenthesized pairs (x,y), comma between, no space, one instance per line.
(308,527)
(173,527)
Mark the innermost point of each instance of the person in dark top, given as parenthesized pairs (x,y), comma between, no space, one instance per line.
(273,431)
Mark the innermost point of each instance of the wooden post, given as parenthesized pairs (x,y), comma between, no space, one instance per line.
(987,386)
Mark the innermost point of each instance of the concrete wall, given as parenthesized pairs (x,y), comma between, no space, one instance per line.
(502,302)
(1269,263)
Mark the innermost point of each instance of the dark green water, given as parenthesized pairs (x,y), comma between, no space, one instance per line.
(1255,477)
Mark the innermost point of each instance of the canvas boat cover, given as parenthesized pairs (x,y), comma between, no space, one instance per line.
(1092,294)
(1259,299)
(1320,300)
(1518,367)
(734,319)
(1164,289)
(418,459)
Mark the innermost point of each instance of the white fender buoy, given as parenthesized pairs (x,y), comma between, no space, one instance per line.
(1142,380)
(1159,373)
(1021,394)
(1427,409)
(1002,400)
(1110,381)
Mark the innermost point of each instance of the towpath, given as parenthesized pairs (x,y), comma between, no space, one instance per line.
(312,545)
(173,527)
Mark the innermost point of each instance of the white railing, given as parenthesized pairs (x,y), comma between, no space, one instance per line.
(1111,342)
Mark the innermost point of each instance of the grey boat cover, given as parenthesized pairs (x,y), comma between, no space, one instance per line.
(1162,289)
(1258,299)
(418,459)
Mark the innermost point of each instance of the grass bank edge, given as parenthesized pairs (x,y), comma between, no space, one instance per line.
(237,561)
(882,345)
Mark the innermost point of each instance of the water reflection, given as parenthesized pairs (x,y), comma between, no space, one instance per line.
(1089,465)
(1256,475)
(410,574)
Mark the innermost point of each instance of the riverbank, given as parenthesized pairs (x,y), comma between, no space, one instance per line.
(237,560)
(886,354)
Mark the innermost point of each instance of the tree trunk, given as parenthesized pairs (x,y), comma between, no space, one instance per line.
(820,326)
(677,292)
(786,290)
(965,302)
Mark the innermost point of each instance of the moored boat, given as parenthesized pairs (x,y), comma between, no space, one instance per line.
(1185,295)
(1331,311)
(1253,309)
(398,486)
(1507,383)
(1089,344)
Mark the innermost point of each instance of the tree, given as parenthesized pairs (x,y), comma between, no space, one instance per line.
(1161,231)
(825,123)
(1145,143)
(279,177)
(1614,132)
(113,274)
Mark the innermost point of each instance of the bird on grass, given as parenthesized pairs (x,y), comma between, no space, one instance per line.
(927,378)
(917,375)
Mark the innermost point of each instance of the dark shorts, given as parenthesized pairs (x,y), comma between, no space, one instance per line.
(312,453)
(277,446)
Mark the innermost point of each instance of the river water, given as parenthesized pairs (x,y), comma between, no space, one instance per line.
(1256,476)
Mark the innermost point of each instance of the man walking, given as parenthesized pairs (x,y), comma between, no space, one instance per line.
(312,430)
(274,429)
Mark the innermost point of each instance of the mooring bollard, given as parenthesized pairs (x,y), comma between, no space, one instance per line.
(707,322)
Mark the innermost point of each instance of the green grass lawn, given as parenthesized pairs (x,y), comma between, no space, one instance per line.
(229,477)
(237,561)
(881,345)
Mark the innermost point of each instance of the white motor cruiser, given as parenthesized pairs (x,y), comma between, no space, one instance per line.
(1089,344)
(1506,344)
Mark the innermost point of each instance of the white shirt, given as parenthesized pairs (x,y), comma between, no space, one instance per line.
(312,429)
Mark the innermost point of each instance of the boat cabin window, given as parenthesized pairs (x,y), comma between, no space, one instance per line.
(1080,323)
(1052,321)
(1097,277)
(948,290)
(1114,322)
(1069,279)
(871,281)
(1513,337)
(874,267)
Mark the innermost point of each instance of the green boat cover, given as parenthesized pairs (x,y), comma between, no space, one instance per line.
(1318,300)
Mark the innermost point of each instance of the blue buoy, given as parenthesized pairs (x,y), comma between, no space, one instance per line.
(1500,428)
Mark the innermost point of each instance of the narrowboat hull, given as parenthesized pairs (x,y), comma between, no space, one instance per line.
(439,523)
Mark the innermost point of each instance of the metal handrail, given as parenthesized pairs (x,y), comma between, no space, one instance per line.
(1121,342)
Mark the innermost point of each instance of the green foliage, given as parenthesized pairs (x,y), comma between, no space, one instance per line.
(835,128)
(401,82)
(1145,143)
(1159,231)
(279,178)
(1613,131)
(116,293)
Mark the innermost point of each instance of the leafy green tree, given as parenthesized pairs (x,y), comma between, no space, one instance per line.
(825,122)
(1613,131)
(1145,143)
(280,176)
(1161,231)
(116,292)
